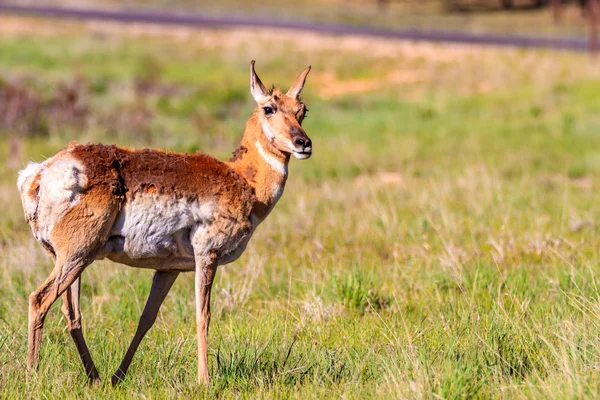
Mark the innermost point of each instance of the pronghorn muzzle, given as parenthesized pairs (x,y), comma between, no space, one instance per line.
(302,144)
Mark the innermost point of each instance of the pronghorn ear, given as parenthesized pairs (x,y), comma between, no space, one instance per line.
(258,90)
(297,87)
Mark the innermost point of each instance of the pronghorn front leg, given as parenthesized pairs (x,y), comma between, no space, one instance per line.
(205,274)
(72,313)
(161,284)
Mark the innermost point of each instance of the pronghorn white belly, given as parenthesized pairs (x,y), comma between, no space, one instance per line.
(153,230)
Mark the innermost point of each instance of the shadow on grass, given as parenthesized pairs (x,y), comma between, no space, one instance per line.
(246,365)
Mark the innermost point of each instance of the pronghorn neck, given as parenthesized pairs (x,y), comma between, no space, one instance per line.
(263,166)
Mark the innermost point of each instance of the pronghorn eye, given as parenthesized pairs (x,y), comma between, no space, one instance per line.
(268,110)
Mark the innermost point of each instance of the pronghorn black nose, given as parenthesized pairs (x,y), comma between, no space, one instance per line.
(303,143)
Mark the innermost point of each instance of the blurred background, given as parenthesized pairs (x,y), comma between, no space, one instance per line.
(503,16)
(531,23)
(447,244)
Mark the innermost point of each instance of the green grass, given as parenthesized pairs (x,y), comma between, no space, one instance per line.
(441,243)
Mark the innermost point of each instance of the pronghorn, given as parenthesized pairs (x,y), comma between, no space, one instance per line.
(160,210)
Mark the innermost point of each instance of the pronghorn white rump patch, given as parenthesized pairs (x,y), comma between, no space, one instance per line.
(30,171)
(60,185)
(277,165)
(28,177)
(57,187)
(62,181)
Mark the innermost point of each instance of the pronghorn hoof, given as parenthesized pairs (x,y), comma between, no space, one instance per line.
(115,380)
(95,381)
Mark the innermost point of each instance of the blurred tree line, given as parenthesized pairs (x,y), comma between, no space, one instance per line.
(465,5)
(481,5)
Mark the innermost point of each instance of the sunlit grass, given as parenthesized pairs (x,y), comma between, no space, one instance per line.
(442,242)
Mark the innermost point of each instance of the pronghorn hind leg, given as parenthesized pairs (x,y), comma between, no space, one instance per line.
(62,276)
(161,285)
(74,240)
(72,313)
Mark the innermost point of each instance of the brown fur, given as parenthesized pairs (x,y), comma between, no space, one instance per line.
(250,173)
(259,175)
(89,221)
(238,153)
(129,172)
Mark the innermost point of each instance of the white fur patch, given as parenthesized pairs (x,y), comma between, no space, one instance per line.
(268,131)
(62,180)
(277,165)
(301,156)
(152,225)
(29,172)
(24,183)
(60,185)
(277,191)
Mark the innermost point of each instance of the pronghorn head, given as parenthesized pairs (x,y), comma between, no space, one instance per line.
(281,115)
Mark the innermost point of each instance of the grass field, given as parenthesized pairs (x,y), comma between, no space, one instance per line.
(442,242)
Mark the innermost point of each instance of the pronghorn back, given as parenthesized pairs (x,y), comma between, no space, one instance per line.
(156,199)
